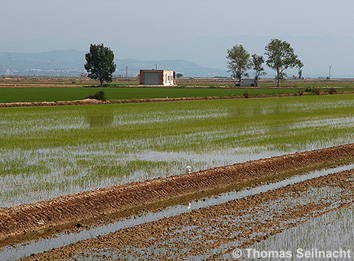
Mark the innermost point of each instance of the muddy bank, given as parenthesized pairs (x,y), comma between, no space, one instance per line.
(36,85)
(54,103)
(213,233)
(51,216)
(93,101)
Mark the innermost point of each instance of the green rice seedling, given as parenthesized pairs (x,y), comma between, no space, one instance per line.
(52,151)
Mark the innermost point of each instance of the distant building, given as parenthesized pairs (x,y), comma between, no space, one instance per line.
(247,83)
(158,77)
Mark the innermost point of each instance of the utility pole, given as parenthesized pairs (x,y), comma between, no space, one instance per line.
(156,67)
(126,71)
(330,72)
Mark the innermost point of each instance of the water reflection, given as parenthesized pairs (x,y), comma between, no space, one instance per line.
(258,109)
(99,118)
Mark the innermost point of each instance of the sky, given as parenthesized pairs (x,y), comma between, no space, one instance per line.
(200,31)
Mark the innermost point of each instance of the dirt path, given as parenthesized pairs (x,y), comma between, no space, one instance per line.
(39,85)
(93,101)
(214,232)
(105,205)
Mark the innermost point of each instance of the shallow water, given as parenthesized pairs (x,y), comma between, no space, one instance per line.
(11,253)
(332,231)
(29,175)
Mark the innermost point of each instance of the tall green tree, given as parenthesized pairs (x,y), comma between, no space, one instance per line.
(281,57)
(100,63)
(238,62)
(257,66)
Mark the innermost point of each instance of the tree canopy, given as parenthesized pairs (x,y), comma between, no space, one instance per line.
(281,56)
(100,63)
(257,66)
(299,67)
(238,61)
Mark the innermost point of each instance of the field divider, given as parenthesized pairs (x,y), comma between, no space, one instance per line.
(50,216)
(124,101)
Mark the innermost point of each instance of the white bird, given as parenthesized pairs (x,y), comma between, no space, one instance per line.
(189,205)
(189,169)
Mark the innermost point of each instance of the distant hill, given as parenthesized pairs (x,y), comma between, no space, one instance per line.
(71,63)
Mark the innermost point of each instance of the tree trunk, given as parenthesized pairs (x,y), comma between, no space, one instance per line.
(101,82)
(278,78)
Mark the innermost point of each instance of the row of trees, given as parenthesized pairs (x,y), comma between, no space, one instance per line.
(280,56)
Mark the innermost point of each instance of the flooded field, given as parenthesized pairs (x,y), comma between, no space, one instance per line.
(335,231)
(48,152)
(288,215)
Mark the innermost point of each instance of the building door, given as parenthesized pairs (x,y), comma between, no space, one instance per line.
(152,78)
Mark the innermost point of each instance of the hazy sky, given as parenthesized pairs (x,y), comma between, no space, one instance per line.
(321,31)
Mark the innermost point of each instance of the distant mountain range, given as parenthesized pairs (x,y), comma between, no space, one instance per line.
(71,63)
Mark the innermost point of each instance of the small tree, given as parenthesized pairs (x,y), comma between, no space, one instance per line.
(100,63)
(281,56)
(239,62)
(257,66)
(299,67)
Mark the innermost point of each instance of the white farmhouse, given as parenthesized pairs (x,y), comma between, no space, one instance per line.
(158,77)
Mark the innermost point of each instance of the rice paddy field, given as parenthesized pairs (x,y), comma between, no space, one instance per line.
(51,151)
(312,213)
(38,94)
(182,82)
(40,89)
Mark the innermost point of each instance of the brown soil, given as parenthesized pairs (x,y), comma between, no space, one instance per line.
(37,85)
(93,101)
(243,221)
(55,103)
(50,216)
